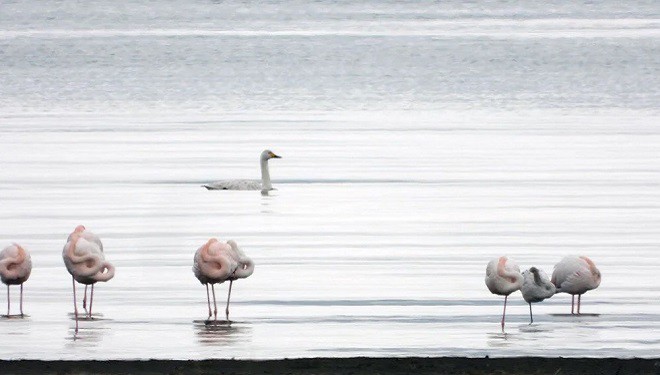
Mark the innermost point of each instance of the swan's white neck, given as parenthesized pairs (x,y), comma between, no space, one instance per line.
(265,176)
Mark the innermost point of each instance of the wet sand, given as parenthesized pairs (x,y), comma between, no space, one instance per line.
(357,365)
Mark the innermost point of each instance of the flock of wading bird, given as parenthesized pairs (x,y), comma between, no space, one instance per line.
(574,275)
(216,262)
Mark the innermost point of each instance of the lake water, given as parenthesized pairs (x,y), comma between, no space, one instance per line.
(419,141)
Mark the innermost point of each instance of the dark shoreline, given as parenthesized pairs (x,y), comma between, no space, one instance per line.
(355,365)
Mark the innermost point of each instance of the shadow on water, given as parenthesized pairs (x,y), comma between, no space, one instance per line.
(14,317)
(212,333)
(500,339)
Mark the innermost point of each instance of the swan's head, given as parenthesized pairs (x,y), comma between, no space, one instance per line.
(268,154)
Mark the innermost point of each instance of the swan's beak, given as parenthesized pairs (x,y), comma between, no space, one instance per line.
(273,156)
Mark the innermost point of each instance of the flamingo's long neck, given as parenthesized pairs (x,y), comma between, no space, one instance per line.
(265,175)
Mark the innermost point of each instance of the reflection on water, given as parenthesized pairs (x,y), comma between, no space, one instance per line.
(211,333)
(416,149)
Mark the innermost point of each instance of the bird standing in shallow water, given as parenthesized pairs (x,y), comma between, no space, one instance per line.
(575,275)
(503,278)
(216,262)
(84,259)
(535,288)
(15,269)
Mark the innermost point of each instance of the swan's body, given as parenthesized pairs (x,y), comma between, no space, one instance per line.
(264,184)
(85,261)
(216,262)
(536,287)
(575,275)
(15,269)
(503,278)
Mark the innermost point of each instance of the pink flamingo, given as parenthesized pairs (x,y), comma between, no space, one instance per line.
(503,278)
(575,275)
(15,269)
(216,262)
(85,261)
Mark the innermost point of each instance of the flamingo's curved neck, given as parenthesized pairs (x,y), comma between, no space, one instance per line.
(265,175)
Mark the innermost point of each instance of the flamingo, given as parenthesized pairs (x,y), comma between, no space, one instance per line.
(89,236)
(264,185)
(85,261)
(216,262)
(575,275)
(503,278)
(536,287)
(15,269)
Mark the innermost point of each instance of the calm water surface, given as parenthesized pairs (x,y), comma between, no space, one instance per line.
(418,142)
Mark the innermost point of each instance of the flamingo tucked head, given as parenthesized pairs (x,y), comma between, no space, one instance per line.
(595,273)
(79,229)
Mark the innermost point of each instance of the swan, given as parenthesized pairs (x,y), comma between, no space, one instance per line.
(216,262)
(575,275)
(84,259)
(503,278)
(264,185)
(15,269)
(536,287)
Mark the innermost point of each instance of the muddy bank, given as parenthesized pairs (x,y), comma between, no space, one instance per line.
(450,365)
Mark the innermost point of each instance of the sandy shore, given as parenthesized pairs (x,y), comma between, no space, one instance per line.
(450,365)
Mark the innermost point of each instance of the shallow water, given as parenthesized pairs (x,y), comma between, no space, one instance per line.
(408,163)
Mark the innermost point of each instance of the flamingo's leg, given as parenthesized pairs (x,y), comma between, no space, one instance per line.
(504,312)
(215,305)
(208,301)
(579,297)
(85,301)
(228,296)
(572,302)
(22,315)
(75,308)
(91,299)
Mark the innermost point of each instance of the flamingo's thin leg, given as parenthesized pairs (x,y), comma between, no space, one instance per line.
(22,315)
(215,305)
(85,301)
(91,300)
(579,296)
(572,302)
(228,296)
(8,303)
(531,318)
(75,308)
(504,312)
(208,301)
